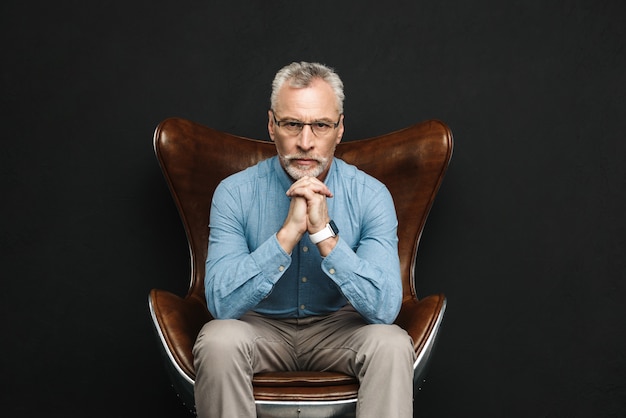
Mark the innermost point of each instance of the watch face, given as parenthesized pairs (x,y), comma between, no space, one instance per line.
(333,227)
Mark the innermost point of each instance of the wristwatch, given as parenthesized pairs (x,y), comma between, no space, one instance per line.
(329,231)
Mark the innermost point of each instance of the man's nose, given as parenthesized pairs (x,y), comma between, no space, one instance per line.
(306,139)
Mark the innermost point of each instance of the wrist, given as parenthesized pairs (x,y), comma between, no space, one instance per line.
(327,246)
(329,231)
(288,239)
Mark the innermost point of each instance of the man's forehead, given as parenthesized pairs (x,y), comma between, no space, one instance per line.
(317,100)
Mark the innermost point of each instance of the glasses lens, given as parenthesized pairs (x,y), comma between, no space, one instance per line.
(292,126)
(321,127)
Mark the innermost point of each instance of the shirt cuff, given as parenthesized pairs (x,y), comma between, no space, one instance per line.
(272,259)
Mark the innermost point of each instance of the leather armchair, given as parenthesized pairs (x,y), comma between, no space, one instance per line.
(194,159)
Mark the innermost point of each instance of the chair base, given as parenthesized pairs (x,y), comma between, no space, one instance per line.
(334,409)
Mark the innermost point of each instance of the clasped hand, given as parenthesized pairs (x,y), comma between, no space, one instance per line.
(308,211)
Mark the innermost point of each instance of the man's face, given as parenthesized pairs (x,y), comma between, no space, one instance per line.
(306,153)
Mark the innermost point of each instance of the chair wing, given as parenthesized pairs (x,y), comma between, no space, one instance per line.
(194,159)
(411,163)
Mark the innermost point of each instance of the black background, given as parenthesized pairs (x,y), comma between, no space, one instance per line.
(526,237)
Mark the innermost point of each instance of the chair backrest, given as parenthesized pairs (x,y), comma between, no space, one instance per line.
(195,158)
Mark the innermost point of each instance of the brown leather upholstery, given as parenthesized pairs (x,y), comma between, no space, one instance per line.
(195,158)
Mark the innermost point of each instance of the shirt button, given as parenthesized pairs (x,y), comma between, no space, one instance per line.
(305,249)
(302,307)
(281,268)
(304,279)
(331,271)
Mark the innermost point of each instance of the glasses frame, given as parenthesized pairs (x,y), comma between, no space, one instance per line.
(303,124)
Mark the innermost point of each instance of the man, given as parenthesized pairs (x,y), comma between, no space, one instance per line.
(302,270)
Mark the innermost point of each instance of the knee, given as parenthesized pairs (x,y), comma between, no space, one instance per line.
(390,342)
(221,339)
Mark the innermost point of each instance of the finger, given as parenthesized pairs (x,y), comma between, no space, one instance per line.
(305,185)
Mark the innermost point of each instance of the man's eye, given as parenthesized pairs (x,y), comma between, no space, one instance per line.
(293,124)
(321,125)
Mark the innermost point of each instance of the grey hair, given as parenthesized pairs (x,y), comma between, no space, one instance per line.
(301,74)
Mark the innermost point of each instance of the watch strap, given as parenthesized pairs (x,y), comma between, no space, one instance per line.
(330,230)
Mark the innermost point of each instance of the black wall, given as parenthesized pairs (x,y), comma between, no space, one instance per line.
(526,237)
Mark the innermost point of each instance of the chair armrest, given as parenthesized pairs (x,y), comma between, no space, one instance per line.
(420,318)
(178,322)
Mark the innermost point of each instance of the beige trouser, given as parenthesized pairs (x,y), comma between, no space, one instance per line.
(228,352)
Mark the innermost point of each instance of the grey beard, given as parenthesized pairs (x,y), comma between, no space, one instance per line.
(297,173)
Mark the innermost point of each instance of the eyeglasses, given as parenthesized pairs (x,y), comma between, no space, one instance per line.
(294,127)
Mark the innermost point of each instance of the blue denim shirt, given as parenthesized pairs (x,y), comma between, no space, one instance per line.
(247,269)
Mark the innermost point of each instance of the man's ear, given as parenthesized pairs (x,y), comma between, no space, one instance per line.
(340,129)
(270,124)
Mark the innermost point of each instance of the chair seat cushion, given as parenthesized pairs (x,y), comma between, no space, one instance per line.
(304,386)
(275,379)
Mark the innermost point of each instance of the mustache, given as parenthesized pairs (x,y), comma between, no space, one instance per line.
(304,157)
